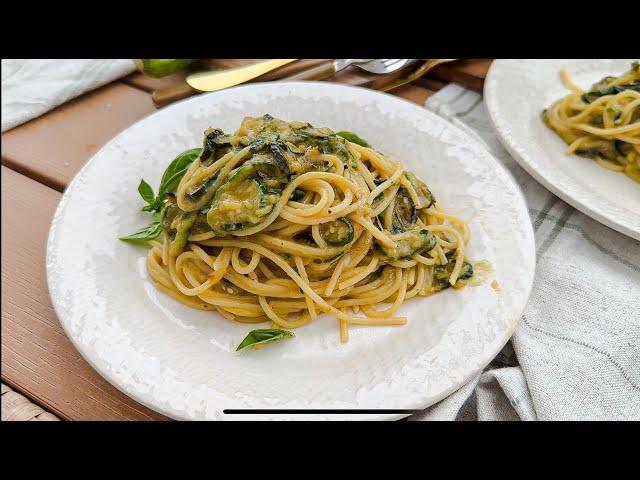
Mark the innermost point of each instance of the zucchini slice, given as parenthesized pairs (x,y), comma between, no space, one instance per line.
(264,167)
(239,204)
(623,148)
(297,195)
(169,213)
(200,225)
(415,240)
(209,145)
(596,148)
(424,194)
(199,196)
(405,214)
(183,225)
(442,273)
(176,225)
(308,130)
(337,232)
(323,138)
(279,156)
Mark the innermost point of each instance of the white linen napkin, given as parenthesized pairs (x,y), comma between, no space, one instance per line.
(575,354)
(33,87)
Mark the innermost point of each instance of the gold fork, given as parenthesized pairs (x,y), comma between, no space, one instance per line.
(425,68)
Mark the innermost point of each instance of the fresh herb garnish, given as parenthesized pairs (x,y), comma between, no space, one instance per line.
(176,170)
(155,203)
(264,335)
(150,232)
(353,138)
(146,192)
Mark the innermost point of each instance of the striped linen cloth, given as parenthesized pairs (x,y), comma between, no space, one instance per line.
(575,354)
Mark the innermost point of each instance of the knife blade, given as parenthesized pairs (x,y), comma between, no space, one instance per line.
(210,81)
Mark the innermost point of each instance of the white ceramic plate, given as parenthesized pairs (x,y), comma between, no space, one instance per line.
(515,94)
(181,362)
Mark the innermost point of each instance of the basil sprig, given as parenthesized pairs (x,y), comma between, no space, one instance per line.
(146,192)
(155,203)
(176,170)
(264,335)
(145,234)
(353,138)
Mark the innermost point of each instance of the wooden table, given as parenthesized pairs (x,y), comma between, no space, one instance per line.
(39,158)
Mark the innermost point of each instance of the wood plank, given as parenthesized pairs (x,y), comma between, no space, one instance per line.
(468,73)
(356,76)
(38,359)
(149,84)
(430,83)
(414,93)
(53,147)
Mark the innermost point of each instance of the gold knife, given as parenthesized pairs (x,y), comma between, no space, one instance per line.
(213,80)
(217,80)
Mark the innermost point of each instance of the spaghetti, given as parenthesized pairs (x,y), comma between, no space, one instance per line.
(281,222)
(602,123)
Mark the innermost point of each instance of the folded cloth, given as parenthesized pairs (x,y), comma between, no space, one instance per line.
(575,354)
(33,87)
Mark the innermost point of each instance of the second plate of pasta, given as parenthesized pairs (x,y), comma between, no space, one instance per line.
(294,245)
(574,125)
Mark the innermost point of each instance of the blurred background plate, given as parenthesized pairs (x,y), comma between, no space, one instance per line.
(515,94)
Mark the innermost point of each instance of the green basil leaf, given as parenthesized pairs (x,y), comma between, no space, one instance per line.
(176,170)
(157,204)
(150,232)
(353,138)
(146,192)
(265,335)
(157,215)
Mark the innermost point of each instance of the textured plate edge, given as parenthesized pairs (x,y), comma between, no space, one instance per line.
(594,213)
(430,402)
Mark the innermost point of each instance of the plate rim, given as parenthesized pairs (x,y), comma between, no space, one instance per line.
(148,402)
(548,182)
